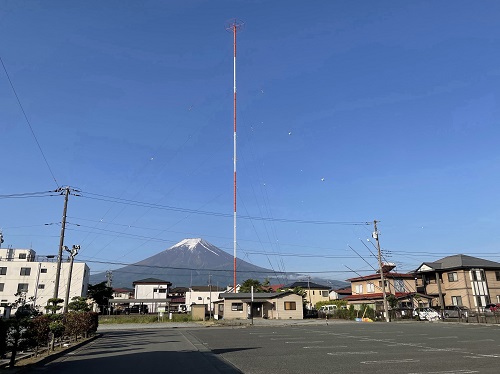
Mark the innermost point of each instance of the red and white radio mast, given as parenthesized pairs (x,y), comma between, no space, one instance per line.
(234,26)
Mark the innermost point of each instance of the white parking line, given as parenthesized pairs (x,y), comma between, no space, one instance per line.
(351,353)
(305,342)
(325,347)
(390,361)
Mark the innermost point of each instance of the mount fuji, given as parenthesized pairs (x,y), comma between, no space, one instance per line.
(192,262)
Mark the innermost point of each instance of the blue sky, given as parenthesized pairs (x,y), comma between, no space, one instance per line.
(394,104)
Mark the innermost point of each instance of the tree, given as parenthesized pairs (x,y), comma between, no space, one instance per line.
(18,334)
(53,305)
(247,286)
(100,293)
(79,304)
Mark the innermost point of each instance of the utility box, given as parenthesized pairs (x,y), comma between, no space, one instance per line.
(198,312)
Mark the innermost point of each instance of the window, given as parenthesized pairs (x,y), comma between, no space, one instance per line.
(201,298)
(399,285)
(22,256)
(3,271)
(25,271)
(380,283)
(1,286)
(358,289)
(41,286)
(313,292)
(324,293)
(221,308)
(456,300)
(43,270)
(370,287)
(4,303)
(497,275)
(22,287)
(236,306)
(453,277)
(477,275)
(290,305)
(498,298)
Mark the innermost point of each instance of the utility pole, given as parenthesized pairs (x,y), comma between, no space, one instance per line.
(210,297)
(309,290)
(66,192)
(109,277)
(382,278)
(72,254)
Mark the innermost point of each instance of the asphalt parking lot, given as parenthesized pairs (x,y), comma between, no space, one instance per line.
(402,348)
(288,347)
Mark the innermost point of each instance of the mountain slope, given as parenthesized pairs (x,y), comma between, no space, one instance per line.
(192,262)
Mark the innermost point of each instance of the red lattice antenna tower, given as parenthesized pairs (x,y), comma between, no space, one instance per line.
(234,26)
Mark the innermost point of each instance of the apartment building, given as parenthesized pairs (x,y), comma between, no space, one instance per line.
(22,271)
(460,280)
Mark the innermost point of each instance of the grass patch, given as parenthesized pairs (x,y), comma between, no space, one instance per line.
(146,318)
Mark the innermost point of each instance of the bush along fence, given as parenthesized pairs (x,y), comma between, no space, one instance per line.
(31,331)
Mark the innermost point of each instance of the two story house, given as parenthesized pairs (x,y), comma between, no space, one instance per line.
(460,280)
(314,292)
(368,290)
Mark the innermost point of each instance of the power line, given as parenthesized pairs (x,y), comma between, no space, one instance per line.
(28,122)
(214,270)
(217,214)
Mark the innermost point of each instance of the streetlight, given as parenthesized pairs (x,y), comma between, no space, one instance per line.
(72,254)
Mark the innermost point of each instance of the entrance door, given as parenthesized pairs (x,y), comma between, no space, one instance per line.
(257,310)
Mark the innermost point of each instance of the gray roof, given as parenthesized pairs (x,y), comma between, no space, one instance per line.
(461,262)
(256,295)
(307,285)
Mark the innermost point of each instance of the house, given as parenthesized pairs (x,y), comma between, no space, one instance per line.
(123,293)
(152,292)
(340,293)
(460,280)
(368,290)
(205,295)
(275,305)
(22,271)
(178,296)
(314,292)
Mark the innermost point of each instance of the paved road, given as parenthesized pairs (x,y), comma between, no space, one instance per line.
(140,351)
(345,347)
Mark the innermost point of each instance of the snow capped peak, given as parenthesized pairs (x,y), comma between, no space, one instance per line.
(197,243)
(189,243)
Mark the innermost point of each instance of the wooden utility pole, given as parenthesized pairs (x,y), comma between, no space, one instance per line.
(381,269)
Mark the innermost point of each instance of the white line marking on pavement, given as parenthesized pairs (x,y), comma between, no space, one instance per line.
(390,361)
(287,338)
(443,337)
(325,347)
(476,341)
(305,342)
(440,349)
(351,353)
